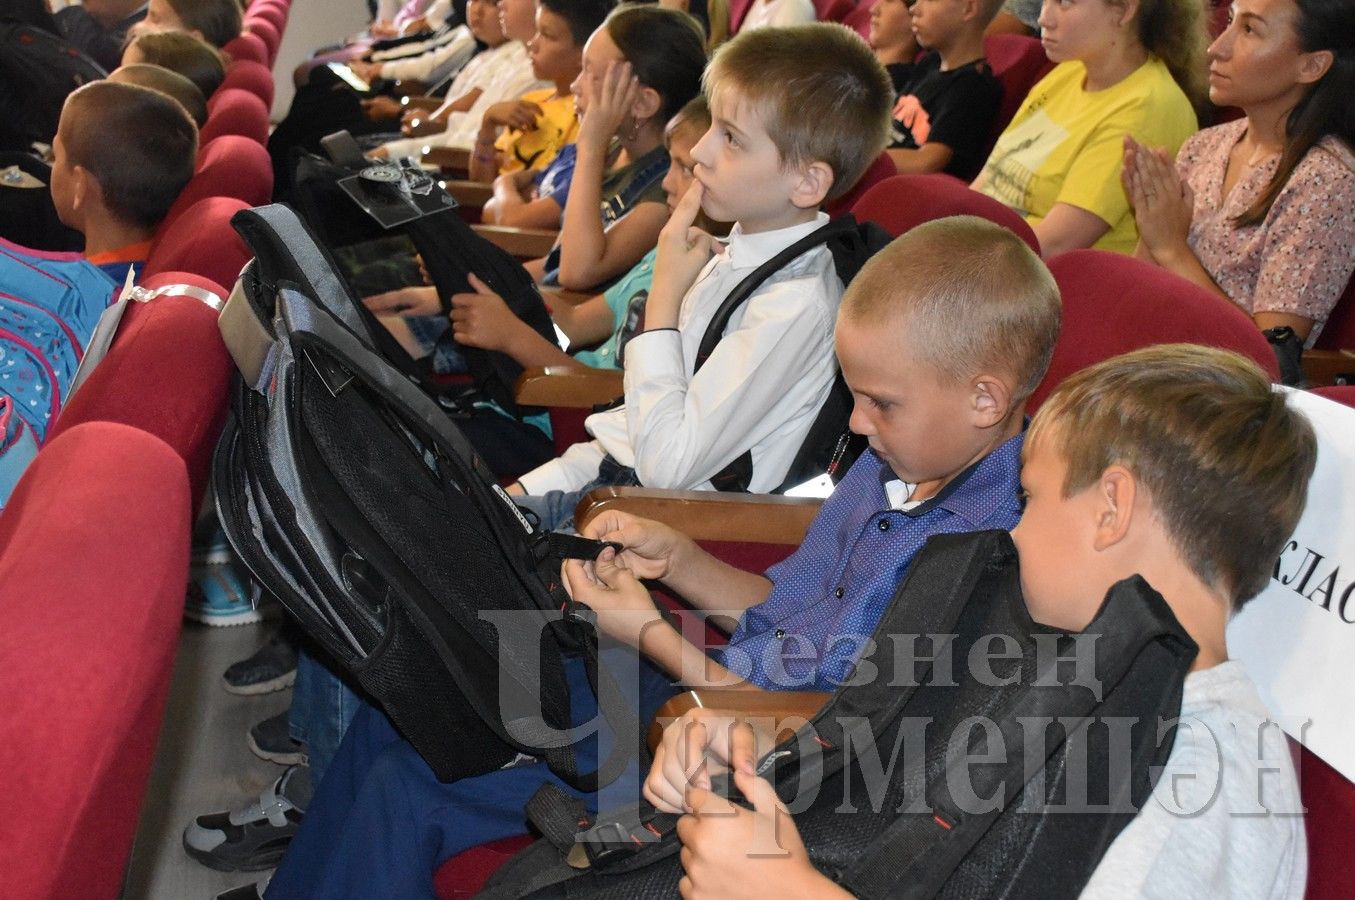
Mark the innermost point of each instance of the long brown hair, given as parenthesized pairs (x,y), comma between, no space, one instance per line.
(1174,32)
(1329,105)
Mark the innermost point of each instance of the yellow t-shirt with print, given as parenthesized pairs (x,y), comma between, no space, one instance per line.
(557,125)
(1066,145)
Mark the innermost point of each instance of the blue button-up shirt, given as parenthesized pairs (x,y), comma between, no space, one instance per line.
(828,596)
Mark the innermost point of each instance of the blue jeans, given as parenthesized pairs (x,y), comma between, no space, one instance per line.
(554,510)
(322,708)
(381,822)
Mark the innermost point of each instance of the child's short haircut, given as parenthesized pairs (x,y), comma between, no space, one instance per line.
(219,21)
(696,114)
(1224,460)
(171,84)
(823,94)
(137,143)
(969,296)
(665,48)
(177,51)
(583,16)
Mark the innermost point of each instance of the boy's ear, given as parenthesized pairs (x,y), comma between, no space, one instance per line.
(816,180)
(991,399)
(85,189)
(1116,491)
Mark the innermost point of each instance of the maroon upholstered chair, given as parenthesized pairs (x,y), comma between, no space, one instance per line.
(859,18)
(275,13)
(201,241)
(1113,304)
(883,167)
(906,201)
(235,111)
(269,33)
(250,76)
(167,373)
(247,46)
(93,568)
(1339,332)
(231,165)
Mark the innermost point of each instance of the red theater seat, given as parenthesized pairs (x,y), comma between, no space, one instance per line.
(166,373)
(1113,304)
(231,165)
(1018,62)
(247,46)
(883,167)
(268,32)
(250,76)
(235,111)
(93,568)
(201,241)
(906,201)
(1339,332)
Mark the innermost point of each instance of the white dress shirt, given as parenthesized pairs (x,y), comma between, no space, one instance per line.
(760,390)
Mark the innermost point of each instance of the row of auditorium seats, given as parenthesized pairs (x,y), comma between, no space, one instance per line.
(94,543)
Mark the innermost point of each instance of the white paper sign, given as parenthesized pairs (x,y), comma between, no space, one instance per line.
(1297,639)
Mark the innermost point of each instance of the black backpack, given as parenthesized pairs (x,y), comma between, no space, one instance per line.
(356,501)
(450,250)
(829,446)
(903,832)
(38,69)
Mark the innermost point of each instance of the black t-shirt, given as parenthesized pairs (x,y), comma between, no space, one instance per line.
(954,108)
(899,73)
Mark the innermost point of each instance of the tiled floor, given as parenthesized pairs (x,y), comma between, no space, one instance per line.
(202,764)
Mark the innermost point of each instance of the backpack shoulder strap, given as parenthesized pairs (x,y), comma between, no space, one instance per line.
(744,289)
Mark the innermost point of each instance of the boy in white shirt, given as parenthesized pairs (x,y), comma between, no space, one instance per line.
(798,114)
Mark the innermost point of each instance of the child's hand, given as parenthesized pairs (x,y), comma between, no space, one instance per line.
(1163,203)
(731,852)
(608,104)
(518,114)
(623,606)
(482,319)
(406,301)
(367,71)
(382,108)
(649,548)
(684,250)
(701,743)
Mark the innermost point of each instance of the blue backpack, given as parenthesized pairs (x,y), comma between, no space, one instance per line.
(50,304)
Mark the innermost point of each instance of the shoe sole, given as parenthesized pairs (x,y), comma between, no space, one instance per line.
(249,617)
(269,861)
(281,683)
(289,758)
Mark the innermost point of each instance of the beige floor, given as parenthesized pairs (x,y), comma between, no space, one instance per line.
(201,765)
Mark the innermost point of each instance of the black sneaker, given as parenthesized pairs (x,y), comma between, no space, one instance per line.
(271,668)
(254,838)
(271,740)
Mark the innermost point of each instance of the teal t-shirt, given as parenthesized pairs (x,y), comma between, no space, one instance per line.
(626,299)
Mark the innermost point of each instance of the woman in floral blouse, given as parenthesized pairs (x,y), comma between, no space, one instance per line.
(1262,209)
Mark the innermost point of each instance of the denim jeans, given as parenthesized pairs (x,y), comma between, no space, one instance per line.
(322,708)
(554,510)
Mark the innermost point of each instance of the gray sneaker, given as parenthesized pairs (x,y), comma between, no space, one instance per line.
(271,668)
(254,838)
(271,740)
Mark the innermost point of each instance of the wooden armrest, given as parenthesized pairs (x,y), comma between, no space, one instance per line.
(449,159)
(409,87)
(577,388)
(793,708)
(524,243)
(709,515)
(1327,367)
(421,101)
(470,193)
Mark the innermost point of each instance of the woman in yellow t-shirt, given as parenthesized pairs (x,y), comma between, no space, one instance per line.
(1124,68)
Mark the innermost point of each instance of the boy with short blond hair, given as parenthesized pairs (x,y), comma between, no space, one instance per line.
(768,167)
(1179,464)
(944,113)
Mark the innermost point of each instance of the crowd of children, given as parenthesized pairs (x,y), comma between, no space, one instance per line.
(673,175)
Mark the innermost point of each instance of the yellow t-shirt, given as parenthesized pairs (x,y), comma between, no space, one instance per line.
(557,125)
(1066,145)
